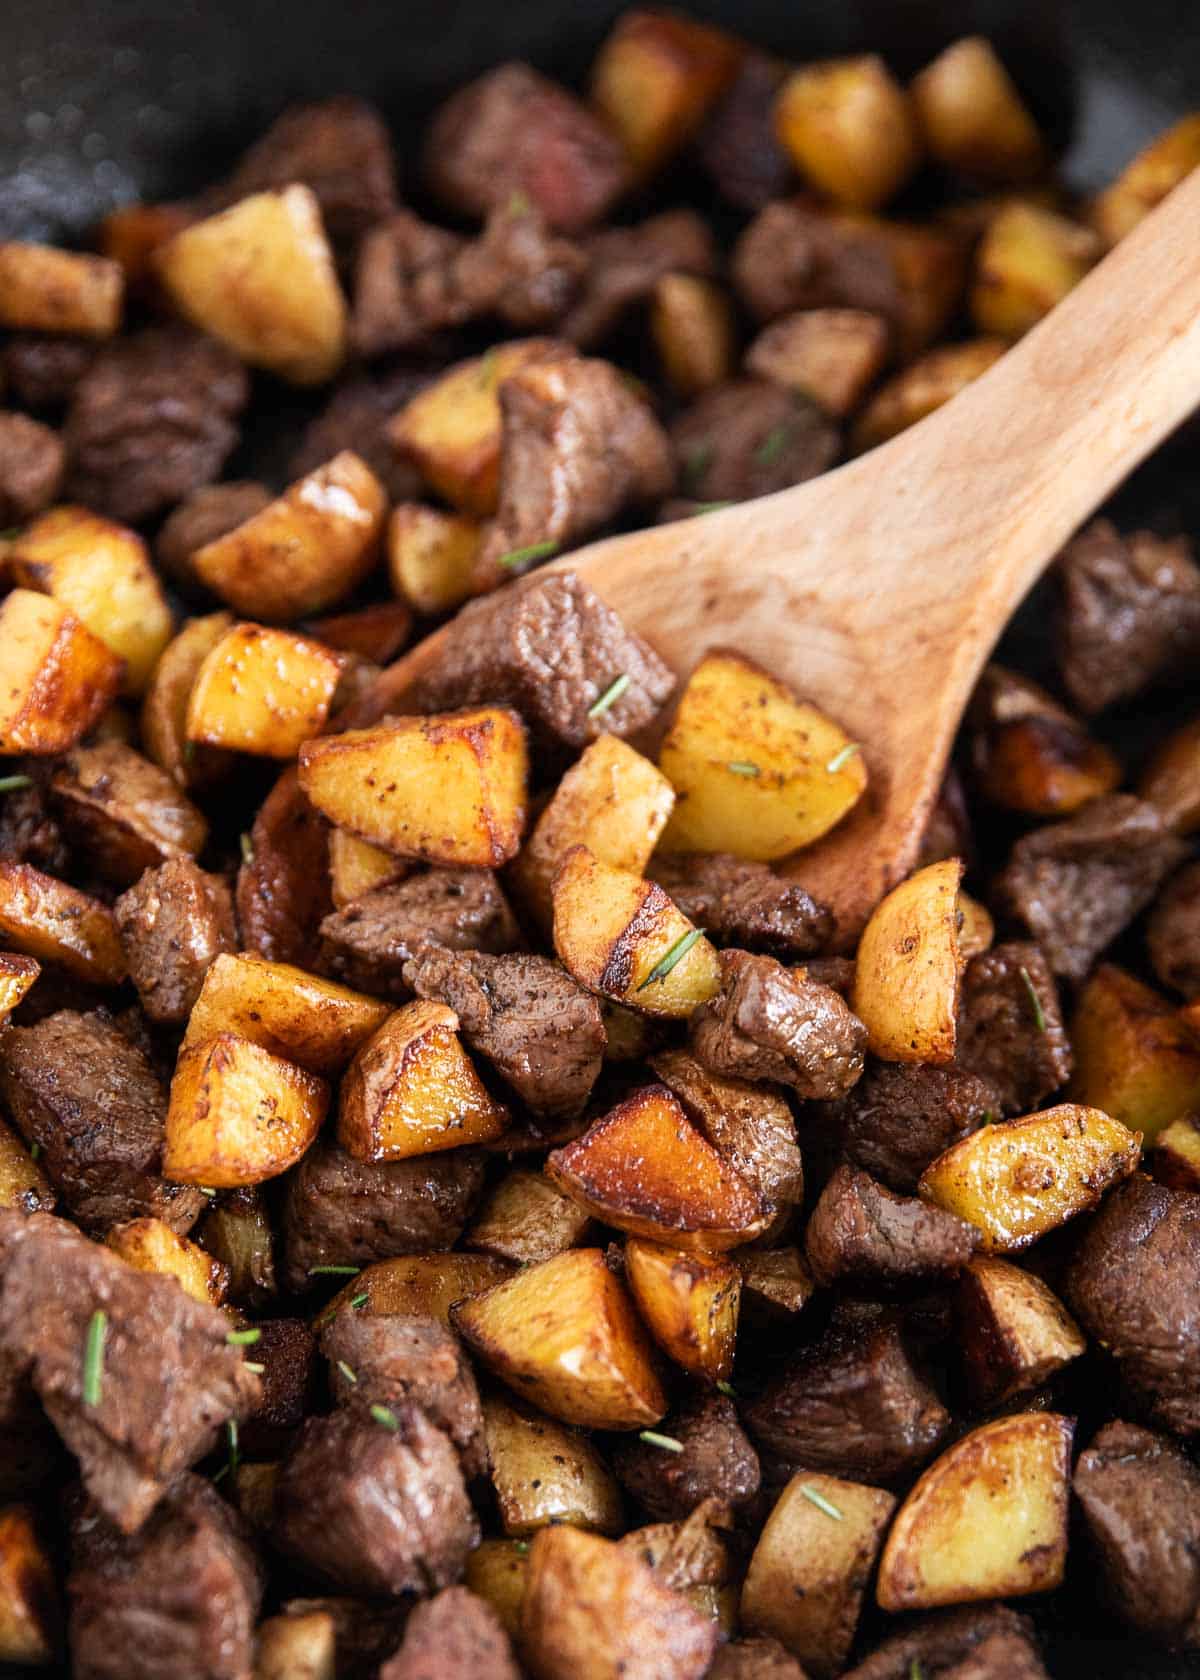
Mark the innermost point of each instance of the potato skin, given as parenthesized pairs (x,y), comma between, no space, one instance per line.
(58,677)
(23,1184)
(1013,1331)
(45,918)
(300,1016)
(1135,1056)
(419,1285)
(165,703)
(297,1647)
(923,387)
(656,78)
(690,1305)
(909,965)
(972,118)
(17,975)
(526,1218)
(238,1115)
(150,1246)
(544,1473)
(1147,180)
(1028,260)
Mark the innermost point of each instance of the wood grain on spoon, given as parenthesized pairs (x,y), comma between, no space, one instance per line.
(879,589)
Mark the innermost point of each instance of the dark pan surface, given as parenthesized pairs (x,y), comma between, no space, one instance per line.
(102,103)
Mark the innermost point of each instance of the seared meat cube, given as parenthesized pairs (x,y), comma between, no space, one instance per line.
(31,467)
(863,1236)
(717,1461)
(625,264)
(550,648)
(1129,613)
(542,1032)
(343,1212)
(1077,884)
(793,256)
(737,144)
(454,1636)
(978,1642)
(89,1098)
(283,887)
(751,437)
(176,1601)
(29,832)
(167,1379)
(515,131)
(750,1126)
(1134,1285)
(210,512)
(174,923)
(770,1022)
(42,371)
(853,1405)
(740,902)
(1010,1027)
(900,1117)
(287,1351)
(1173,932)
(356,417)
(367,943)
(755,1659)
(153,420)
(375,1502)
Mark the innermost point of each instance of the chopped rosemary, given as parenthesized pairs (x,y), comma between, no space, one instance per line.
(743,767)
(989,1117)
(206,1190)
(253,1365)
(35,1149)
(653,1439)
(360,1300)
(189,752)
(915,1671)
(334,1271)
(346,1371)
(220,1475)
(487,367)
(527,555)
(518,203)
(387,1418)
(727,1388)
(673,957)
(93,1357)
(820,1501)
(610,696)
(774,444)
(247,845)
(521,1547)
(709,507)
(1035,1002)
(697,462)
(840,760)
(243,1338)
(12,784)
(235,1457)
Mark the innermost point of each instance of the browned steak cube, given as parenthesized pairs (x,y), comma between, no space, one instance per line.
(210,512)
(287,1350)
(32,463)
(626,263)
(717,1461)
(755,1659)
(864,1237)
(29,830)
(1173,932)
(1010,1026)
(900,1117)
(793,256)
(751,437)
(737,144)
(934,1646)
(368,942)
(356,417)
(455,1636)
(42,371)
(744,903)
(283,886)
(174,922)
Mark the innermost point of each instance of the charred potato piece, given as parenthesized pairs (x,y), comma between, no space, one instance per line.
(776,1282)
(849,128)
(128,813)
(23,1184)
(431,556)
(17,974)
(1175,1157)
(525,1218)
(691,323)
(238,1115)
(45,918)
(1014,1332)
(690,1305)
(976,929)
(165,706)
(236,1231)
(46,290)
(906,978)
(418,1285)
(150,1246)
(496,1572)
(972,117)
(306,1019)
(1028,260)
(262,691)
(356,867)
(543,1472)
(656,78)
(30,1618)
(1171,780)
(1146,181)
(58,676)
(830,355)
(1030,754)
(297,1647)
(922,387)
(1135,1057)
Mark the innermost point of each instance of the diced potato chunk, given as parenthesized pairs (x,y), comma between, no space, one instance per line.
(692,325)
(1031,755)
(1014,1332)
(1021,1178)
(302,1017)
(756,771)
(260,277)
(544,1472)
(830,355)
(1134,1055)
(909,965)
(622,937)
(356,867)
(418,1285)
(1171,780)
(43,289)
(150,1246)
(238,1115)
(431,556)
(690,1305)
(1175,1158)
(1146,181)
(976,929)
(412,1089)
(564,1335)
(496,1572)
(307,549)
(1028,260)
(655,79)
(775,1281)
(57,676)
(165,707)
(17,974)
(849,127)
(525,1218)
(923,387)
(125,812)
(45,918)
(298,1646)
(448,788)
(988,1519)
(972,118)
(23,1184)
(262,691)
(31,1620)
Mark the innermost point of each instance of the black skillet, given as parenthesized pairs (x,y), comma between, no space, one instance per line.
(100,103)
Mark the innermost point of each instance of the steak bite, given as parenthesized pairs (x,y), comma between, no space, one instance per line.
(32,462)
(356,417)
(750,437)
(208,513)
(793,256)
(136,1375)
(369,941)
(625,264)
(1010,1027)
(717,1461)
(287,1351)
(755,1659)
(174,922)
(453,1636)
(863,1236)
(30,831)
(737,145)
(42,371)
(1173,932)
(901,1116)
(744,903)
(91,1101)
(977,1642)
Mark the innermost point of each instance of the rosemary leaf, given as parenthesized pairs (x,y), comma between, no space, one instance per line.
(840,760)
(93,1357)
(610,696)
(743,767)
(243,1338)
(527,555)
(387,1418)
(1035,1002)
(334,1271)
(820,1501)
(673,957)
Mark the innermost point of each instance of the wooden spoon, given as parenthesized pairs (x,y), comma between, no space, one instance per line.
(878,590)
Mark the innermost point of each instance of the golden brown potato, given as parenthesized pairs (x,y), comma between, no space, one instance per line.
(1030,754)
(1134,1055)
(127,813)
(496,1572)
(1175,1157)
(431,556)
(655,79)
(307,549)
(1014,1332)
(688,1553)
(58,677)
(525,1218)
(923,387)
(449,788)
(306,1019)
(1021,1178)
(102,573)
(1171,780)
(165,707)
(776,1282)
(45,918)
(297,1647)
(565,1336)
(262,691)
(988,1519)
(690,1305)
(150,1246)
(238,1115)
(412,1089)
(1027,261)
(849,128)
(544,1472)
(17,974)
(23,1184)
(691,323)
(830,355)
(260,277)
(644,1168)
(236,1231)
(972,118)
(30,1617)
(356,867)
(1146,181)
(811,1566)
(909,965)
(976,929)
(43,289)
(419,1285)
(750,1126)
(756,770)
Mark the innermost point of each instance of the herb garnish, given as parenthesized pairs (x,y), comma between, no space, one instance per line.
(610,696)
(841,759)
(820,1501)
(774,444)
(360,1300)
(387,1418)
(346,1371)
(247,845)
(697,462)
(334,1271)
(235,1457)
(93,1357)
(653,1439)
(243,1338)
(531,552)
(727,1388)
(253,1365)
(709,507)
(35,1149)
(673,957)
(13,784)
(743,767)
(1039,1014)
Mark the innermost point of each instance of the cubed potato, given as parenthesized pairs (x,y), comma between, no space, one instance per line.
(1027,261)
(810,1568)
(449,788)
(1014,1332)
(31,1620)
(646,1169)
(565,1336)
(976,929)
(45,918)
(236,1231)
(830,355)
(150,1246)
(376,633)
(621,936)
(691,1552)
(262,691)
(972,117)
(543,1472)
(909,966)
(691,323)
(356,867)
(690,1305)
(23,1184)
(43,289)
(450,431)
(101,572)
(1175,1158)
(132,233)
(1146,181)
(1030,754)
(850,129)
(17,974)
(431,556)
(126,813)
(297,1647)
(756,770)
(307,549)
(260,277)
(412,1089)
(254,1493)
(656,78)
(1018,1179)
(496,1572)
(165,707)
(418,1285)
(1171,780)
(1135,1056)
(525,1218)
(238,1115)
(988,1519)
(750,1126)
(922,387)
(776,1282)
(58,677)
(306,1019)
